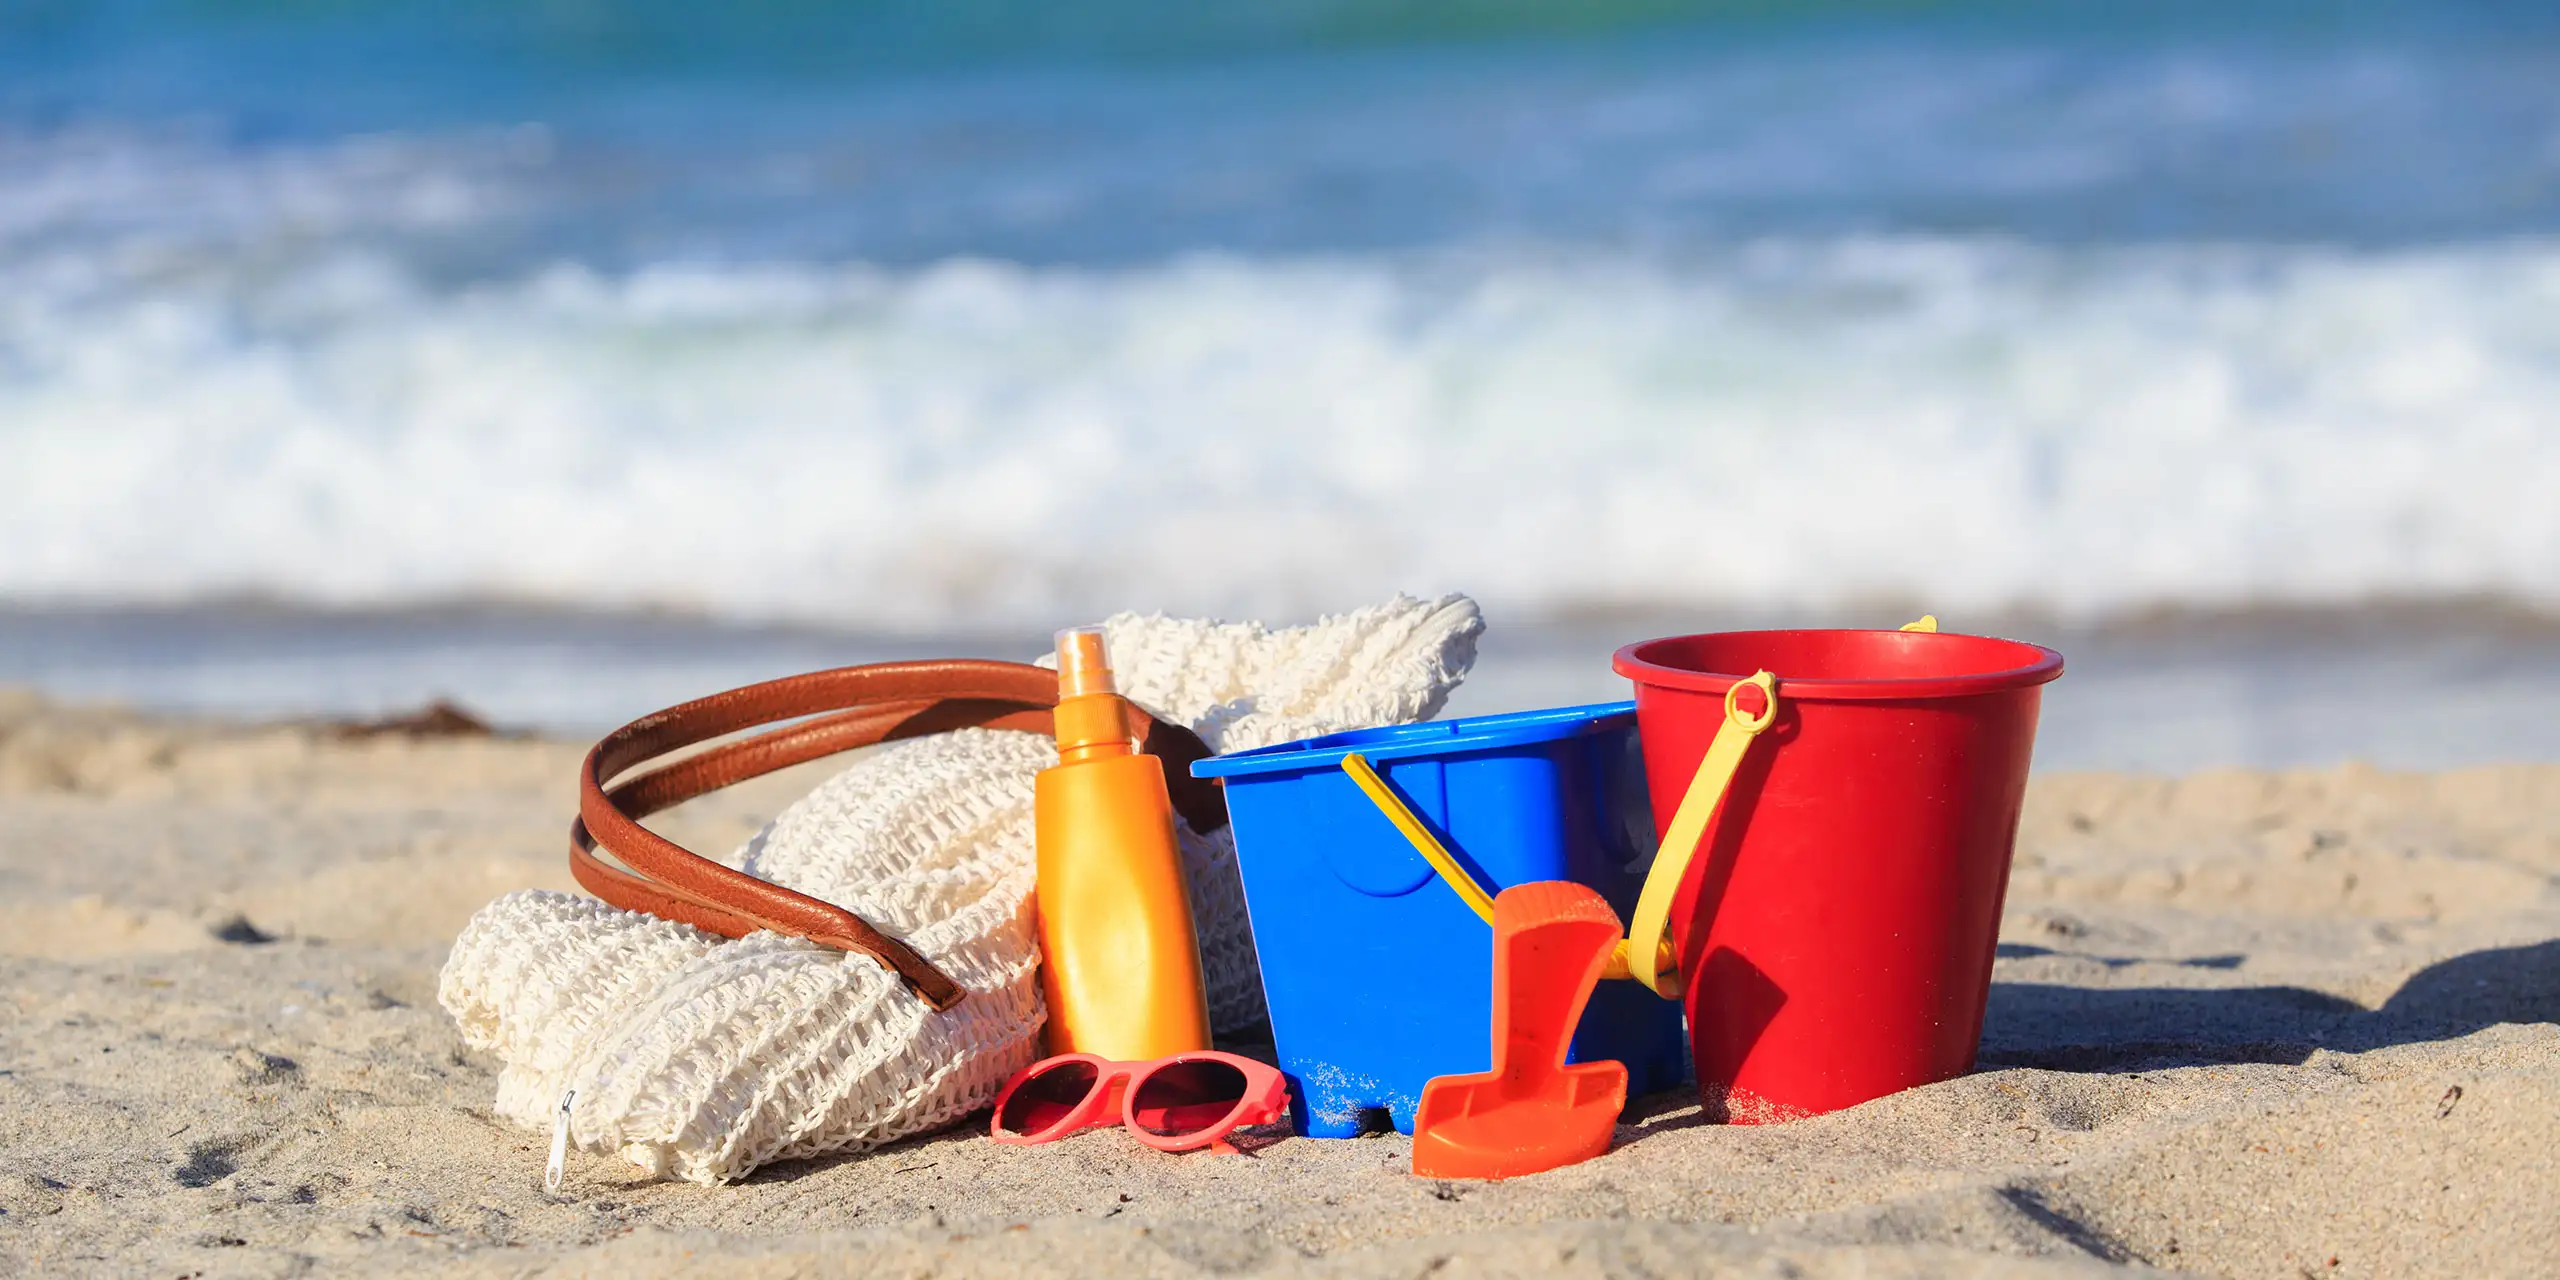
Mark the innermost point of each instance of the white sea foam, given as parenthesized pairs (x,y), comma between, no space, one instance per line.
(1804,423)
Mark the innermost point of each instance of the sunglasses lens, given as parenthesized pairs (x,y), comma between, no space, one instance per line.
(1187,1097)
(1045,1099)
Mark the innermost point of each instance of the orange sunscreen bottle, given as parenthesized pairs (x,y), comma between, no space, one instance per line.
(1119,962)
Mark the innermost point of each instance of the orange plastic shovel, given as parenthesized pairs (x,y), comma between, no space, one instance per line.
(1531,1112)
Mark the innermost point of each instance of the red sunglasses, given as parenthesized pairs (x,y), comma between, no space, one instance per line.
(1178,1103)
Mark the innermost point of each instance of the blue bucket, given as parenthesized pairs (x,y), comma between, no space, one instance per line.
(1377,974)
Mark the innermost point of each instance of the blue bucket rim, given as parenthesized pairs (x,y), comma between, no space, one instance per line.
(1421,739)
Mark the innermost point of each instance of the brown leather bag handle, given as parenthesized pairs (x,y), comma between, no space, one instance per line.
(834,711)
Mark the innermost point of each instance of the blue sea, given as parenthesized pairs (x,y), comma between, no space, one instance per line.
(571,357)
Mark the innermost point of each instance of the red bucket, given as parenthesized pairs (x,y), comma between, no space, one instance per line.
(1836,925)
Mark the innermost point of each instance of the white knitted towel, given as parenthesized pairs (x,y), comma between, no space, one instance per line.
(703,1058)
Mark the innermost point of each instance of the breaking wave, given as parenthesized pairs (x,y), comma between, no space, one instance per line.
(1809,422)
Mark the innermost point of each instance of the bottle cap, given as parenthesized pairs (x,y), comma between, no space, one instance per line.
(1083,666)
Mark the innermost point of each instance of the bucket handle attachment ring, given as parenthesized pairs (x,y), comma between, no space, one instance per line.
(1645,953)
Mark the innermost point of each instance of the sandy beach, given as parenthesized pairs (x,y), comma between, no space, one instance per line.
(2243,1024)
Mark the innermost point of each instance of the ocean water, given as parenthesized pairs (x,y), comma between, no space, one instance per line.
(901,325)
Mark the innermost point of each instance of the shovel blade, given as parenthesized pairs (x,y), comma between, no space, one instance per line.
(1480,1126)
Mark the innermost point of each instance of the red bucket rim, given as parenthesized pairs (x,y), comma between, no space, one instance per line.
(2047,665)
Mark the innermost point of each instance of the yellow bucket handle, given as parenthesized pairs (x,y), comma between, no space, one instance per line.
(1424,843)
(1645,954)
